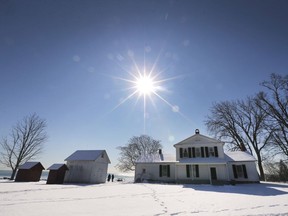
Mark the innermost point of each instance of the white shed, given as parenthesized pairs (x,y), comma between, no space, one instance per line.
(87,166)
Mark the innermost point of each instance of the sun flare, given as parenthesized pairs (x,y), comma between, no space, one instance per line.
(145,85)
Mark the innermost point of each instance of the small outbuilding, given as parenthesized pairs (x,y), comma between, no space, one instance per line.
(29,172)
(87,166)
(56,174)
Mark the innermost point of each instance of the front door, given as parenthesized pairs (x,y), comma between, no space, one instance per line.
(213,173)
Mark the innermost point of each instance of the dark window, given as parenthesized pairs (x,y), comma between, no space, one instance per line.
(239,171)
(188,171)
(216,151)
(168,170)
(213,173)
(193,152)
(181,152)
(211,152)
(189,152)
(202,152)
(185,153)
(206,151)
(234,171)
(164,170)
(196,170)
(244,171)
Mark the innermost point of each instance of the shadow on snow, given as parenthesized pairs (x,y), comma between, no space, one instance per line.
(261,189)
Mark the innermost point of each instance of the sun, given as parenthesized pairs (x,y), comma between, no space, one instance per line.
(145,85)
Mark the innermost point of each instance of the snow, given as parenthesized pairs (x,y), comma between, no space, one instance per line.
(56,166)
(115,198)
(85,155)
(156,158)
(239,156)
(29,165)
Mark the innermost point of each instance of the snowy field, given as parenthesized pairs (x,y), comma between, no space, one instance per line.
(34,199)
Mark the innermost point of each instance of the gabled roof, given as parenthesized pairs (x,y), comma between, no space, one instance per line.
(198,138)
(239,156)
(29,165)
(86,155)
(57,167)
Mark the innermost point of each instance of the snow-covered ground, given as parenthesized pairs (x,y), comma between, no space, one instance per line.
(39,199)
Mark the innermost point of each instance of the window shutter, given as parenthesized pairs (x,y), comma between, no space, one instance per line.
(188,171)
(216,151)
(202,152)
(193,152)
(189,152)
(160,170)
(181,152)
(168,170)
(234,171)
(197,170)
(206,152)
(245,171)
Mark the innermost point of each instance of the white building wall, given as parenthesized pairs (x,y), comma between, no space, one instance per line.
(252,173)
(98,172)
(204,172)
(86,172)
(152,172)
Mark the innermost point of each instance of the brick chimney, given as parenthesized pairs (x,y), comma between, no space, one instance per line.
(242,147)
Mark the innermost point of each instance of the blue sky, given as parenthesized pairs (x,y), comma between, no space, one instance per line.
(62,60)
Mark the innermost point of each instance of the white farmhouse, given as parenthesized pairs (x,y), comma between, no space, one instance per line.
(87,166)
(199,159)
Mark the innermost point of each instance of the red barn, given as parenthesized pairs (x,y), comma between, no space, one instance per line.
(29,171)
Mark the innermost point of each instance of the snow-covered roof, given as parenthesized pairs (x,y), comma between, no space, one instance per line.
(157,158)
(29,165)
(55,166)
(200,160)
(239,156)
(86,155)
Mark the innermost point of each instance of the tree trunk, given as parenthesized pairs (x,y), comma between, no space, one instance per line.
(261,170)
(13,174)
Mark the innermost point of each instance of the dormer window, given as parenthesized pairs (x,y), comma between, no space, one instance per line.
(197,152)
(211,152)
(185,153)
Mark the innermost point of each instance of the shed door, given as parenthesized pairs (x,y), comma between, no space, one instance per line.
(213,173)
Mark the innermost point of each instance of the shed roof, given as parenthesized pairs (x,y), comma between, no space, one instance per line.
(56,166)
(86,155)
(29,165)
(239,156)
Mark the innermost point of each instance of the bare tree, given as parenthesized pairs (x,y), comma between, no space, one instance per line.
(275,104)
(143,146)
(25,142)
(243,124)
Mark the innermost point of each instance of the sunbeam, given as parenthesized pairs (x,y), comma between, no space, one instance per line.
(146,84)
